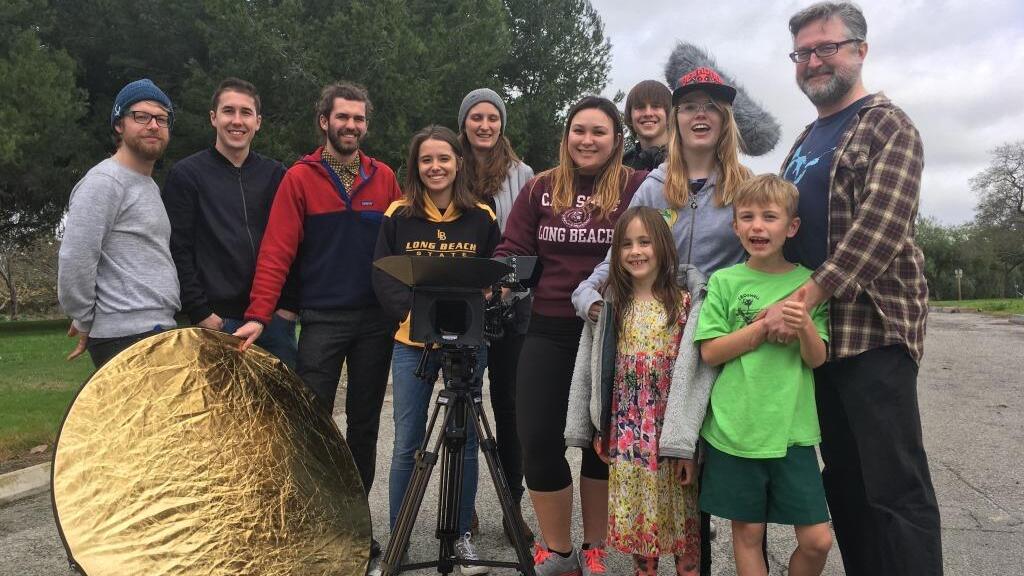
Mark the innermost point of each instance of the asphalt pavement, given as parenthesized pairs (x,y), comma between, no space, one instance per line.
(971,392)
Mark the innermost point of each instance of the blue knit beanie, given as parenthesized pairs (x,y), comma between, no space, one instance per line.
(137,92)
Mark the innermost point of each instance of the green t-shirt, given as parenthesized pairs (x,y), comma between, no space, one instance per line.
(763,401)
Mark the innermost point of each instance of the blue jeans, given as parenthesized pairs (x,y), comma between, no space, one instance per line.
(412,403)
(278,337)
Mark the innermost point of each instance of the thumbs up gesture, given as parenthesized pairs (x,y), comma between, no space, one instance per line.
(794,310)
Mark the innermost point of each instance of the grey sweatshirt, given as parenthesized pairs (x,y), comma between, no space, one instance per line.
(594,373)
(702,231)
(115,275)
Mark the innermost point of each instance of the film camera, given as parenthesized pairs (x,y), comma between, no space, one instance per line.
(451,316)
(448,305)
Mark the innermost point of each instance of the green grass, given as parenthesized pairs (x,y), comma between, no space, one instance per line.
(997,306)
(36,383)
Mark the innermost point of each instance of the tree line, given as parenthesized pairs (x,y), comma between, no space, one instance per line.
(63,61)
(989,250)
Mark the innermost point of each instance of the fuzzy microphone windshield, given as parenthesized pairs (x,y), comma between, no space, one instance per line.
(760,130)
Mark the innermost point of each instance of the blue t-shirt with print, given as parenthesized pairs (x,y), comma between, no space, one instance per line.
(809,169)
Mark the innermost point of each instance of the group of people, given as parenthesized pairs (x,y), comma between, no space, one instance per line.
(696,332)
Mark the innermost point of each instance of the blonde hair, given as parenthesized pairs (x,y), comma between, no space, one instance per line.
(727,159)
(612,177)
(766,189)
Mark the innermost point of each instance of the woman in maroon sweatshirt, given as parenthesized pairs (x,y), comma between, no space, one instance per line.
(565,216)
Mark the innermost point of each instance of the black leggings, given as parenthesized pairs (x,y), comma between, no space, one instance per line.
(542,400)
(502,363)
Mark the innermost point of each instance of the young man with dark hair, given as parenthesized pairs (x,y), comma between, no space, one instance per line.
(325,219)
(647,109)
(858,168)
(218,201)
(115,276)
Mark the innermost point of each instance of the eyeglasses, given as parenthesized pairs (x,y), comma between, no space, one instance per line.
(694,108)
(822,50)
(145,118)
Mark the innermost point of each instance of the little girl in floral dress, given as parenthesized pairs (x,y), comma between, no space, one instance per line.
(643,412)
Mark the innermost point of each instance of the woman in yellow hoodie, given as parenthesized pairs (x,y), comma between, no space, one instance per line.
(438,217)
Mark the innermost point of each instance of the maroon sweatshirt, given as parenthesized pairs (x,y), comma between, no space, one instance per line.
(569,244)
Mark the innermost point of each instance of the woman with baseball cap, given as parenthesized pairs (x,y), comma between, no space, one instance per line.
(694,187)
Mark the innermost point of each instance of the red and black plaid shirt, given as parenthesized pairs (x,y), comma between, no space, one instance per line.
(874,269)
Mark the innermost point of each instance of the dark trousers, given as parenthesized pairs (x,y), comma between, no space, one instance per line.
(102,350)
(876,474)
(361,340)
(278,337)
(502,364)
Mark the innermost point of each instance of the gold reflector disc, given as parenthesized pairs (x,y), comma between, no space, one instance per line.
(184,456)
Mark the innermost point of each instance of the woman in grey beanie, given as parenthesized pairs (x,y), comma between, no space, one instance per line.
(496,175)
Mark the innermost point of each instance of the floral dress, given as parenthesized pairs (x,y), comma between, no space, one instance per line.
(650,513)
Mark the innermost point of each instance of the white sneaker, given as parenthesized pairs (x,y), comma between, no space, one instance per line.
(465,550)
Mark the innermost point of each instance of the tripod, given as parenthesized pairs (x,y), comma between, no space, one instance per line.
(461,400)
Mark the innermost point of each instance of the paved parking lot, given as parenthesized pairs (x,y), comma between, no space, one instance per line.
(972,405)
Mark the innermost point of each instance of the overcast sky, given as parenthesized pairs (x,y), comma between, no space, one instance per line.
(956,67)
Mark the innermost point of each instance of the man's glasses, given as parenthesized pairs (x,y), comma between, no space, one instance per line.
(694,108)
(822,50)
(145,118)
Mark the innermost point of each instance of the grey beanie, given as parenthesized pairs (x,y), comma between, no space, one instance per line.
(481,95)
(138,91)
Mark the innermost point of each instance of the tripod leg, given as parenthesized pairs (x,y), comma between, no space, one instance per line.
(414,493)
(489,447)
(449,501)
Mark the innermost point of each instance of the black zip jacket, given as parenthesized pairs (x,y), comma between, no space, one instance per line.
(644,158)
(218,214)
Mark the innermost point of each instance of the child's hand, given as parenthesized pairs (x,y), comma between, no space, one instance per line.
(599,447)
(794,311)
(684,469)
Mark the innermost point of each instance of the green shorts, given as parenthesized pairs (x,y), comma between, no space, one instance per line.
(784,490)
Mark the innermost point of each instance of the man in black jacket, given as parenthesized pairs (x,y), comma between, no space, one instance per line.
(218,201)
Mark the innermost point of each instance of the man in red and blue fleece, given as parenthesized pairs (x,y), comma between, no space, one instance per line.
(324,220)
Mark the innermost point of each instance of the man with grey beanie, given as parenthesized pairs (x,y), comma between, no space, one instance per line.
(115,276)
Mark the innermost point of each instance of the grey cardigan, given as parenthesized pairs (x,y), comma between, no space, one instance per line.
(593,377)
(518,175)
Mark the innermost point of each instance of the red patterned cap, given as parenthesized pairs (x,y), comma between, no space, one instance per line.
(704,79)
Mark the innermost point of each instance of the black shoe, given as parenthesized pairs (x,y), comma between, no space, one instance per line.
(527,533)
(375,549)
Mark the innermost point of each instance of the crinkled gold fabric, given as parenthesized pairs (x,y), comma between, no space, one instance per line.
(184,456)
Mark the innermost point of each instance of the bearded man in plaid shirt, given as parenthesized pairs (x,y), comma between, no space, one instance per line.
(858,168)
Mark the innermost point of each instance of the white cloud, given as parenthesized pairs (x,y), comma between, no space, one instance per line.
(955,66)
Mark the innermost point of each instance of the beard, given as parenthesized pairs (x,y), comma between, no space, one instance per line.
(838,86)
(145,150)
(344,149)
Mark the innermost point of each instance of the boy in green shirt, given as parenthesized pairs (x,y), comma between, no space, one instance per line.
(762,424)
